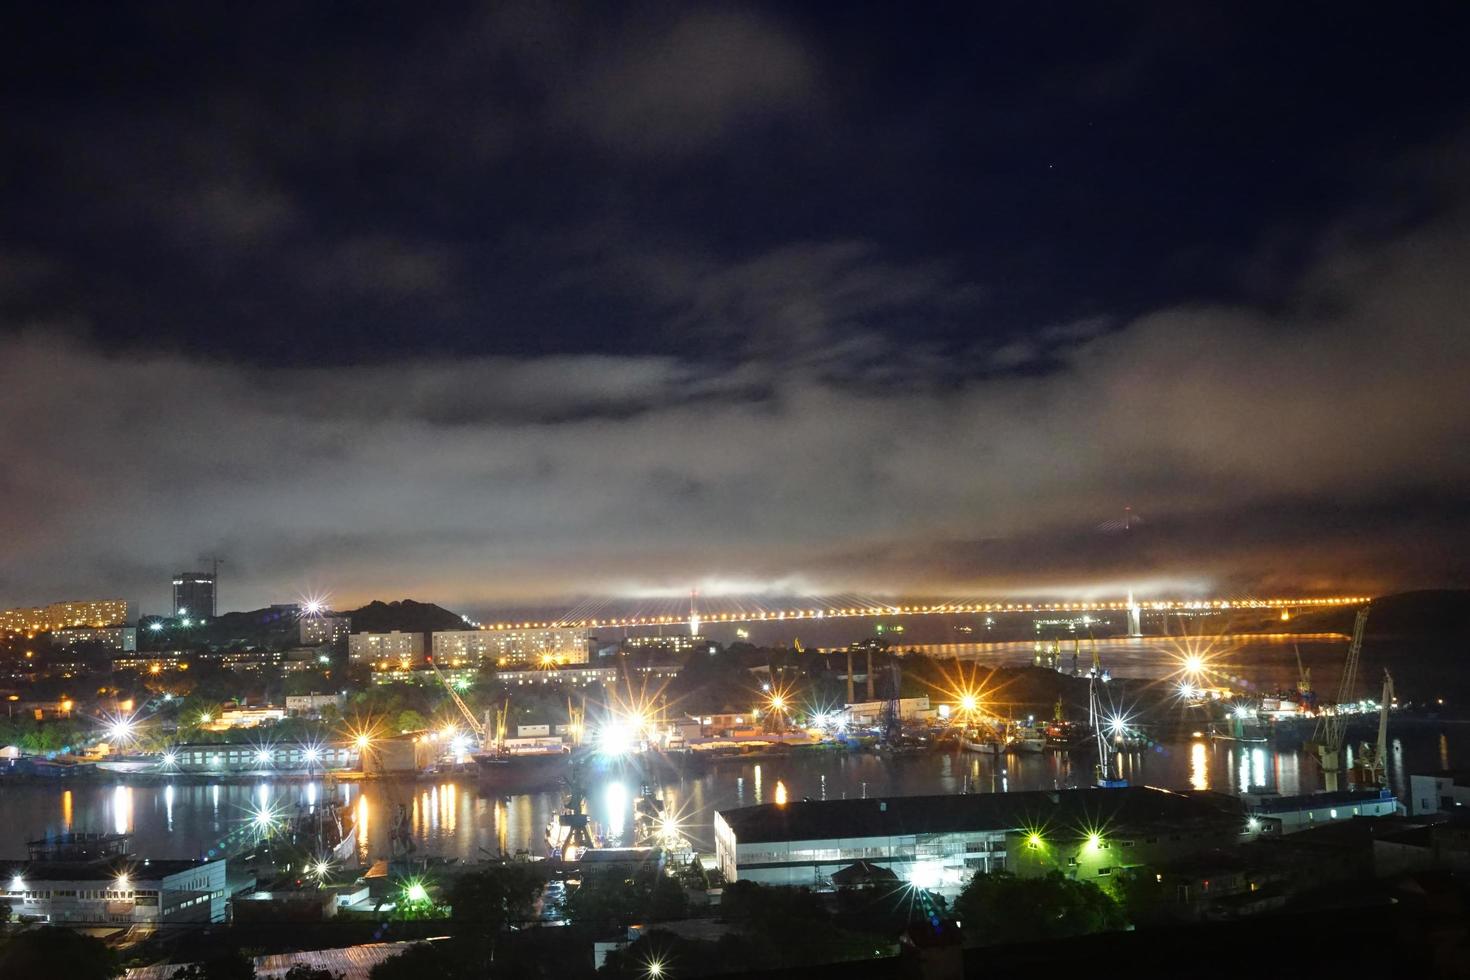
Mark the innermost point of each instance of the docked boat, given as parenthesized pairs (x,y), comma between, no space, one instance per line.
(319,832)
(986,743)
(502,771)
(1027,737)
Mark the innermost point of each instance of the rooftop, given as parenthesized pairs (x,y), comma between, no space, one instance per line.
(1460,777)
(1315,801)
(107,869)
(1134,808)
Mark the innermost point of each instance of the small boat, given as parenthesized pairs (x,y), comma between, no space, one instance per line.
(1026,737)
(982,742)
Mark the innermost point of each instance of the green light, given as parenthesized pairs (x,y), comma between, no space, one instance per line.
(1094,840)
(416,892)
(1034,840)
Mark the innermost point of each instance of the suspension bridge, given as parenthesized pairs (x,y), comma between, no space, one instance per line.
(732,610)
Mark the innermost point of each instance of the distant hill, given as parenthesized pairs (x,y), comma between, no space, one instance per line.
(404,615)
(1438,612)
(251,628)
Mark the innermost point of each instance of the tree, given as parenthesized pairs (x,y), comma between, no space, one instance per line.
(411,721)
(420,961)
(228,964)
(484,903)
(304,971)
(1002,908)
(1140,894)
(55,952)
(605,900)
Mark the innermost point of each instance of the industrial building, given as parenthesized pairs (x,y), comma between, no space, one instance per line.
(294,757)
(1439,792)
(89,880)
(938,842)
(1272,814)
(869,713)
(372,648)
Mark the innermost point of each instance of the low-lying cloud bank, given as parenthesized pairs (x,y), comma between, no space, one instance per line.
(1319,445)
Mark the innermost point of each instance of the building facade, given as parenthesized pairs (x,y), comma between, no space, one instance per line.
(311,705)
(194,594)
(393,672)
(115,891)
(123,639)
(551,646)
(59,615)
(229,718)
(459,647)
(1439,792)
(939,842)
(394,647)
(294,757)
(321,630)
(673,643)
(566,676)
(1275,815)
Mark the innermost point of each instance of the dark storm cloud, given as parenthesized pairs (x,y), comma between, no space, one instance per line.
(502,302)
(1238,434)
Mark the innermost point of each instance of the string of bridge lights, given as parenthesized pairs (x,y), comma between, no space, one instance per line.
(820,612)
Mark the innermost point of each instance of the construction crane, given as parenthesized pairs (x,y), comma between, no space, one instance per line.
(1331,730)
(476,726)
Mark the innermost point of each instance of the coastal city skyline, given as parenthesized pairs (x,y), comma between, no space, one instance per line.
(733,489)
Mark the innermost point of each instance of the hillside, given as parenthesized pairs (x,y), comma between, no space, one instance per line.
(404,615)
(1436,612)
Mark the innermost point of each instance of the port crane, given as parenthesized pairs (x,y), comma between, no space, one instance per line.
(1105,775)
(1372,767)
(1304,694)
(1331,731)
(488,741)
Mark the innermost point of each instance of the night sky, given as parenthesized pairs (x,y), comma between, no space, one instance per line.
(495,303)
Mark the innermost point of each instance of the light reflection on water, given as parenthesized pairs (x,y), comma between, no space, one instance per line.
(455,818)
